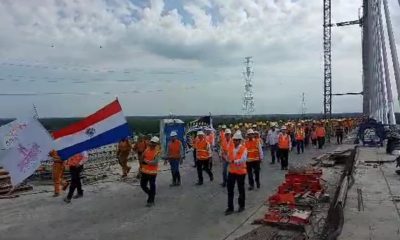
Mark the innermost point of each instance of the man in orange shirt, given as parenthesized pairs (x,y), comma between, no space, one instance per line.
(58,173)
(237,156)
(175,155)
(254,157)
(123,151)
(75,164)
(140,147)
(300,136)
(320,131)
(210,137)
(203,155)
(149,169)
(284,146)
(224,149)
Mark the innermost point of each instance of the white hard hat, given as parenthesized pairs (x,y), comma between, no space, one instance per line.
(228,131)
(237,135)
(223,126)
(250,131)
(155,139)
(200,133)
(283,128)
(173,134)
(254,125)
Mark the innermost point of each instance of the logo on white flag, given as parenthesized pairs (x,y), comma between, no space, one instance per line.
(11,137)
(29,156)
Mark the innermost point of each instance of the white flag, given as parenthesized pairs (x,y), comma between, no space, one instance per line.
(9,132)
(32,145)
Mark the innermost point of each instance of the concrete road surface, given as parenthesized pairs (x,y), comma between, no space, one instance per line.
(116,210)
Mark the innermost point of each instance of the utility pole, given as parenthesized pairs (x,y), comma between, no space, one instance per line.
(248,99)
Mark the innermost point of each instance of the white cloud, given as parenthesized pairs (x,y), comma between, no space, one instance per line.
(198,66)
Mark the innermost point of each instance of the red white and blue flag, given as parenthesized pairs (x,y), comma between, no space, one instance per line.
(106,126)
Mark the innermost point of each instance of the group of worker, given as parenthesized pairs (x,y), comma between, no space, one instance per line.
(241,153)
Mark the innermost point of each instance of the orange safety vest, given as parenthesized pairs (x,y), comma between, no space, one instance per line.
(150,155)
(320,131)
(75,160)
(284,141)
(300,135)
(225,147)
(174,149)
(202,149)
(194,142)
(237,168)
(253,152)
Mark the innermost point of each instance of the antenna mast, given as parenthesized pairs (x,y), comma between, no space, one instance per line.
(248,99)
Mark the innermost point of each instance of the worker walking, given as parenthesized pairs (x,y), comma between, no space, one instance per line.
(123,151)
(203,154)
(75,164)
(58,174)
(140,147)
(226,142)
(320,131)
(149,169)
(175,156)
(237,157)
(339,132)
(210,137)
(254,157)
(300,136)
(284,145)
(272,141)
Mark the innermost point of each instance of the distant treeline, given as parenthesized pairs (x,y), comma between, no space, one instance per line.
(147,125)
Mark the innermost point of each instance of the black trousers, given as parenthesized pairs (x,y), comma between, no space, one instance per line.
(321,142)
(203,165)
(253,167)
(284,155)
(239,179)
(144,181)
(339,138)
(75,181)
(300,146)
(211,163)
(274,153)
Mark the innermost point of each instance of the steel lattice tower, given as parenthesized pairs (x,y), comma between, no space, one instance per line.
(248,99)
(327,60)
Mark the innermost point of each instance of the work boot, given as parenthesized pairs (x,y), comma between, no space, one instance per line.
(228,211)
(78,196)
(241,209)
(211,178)
(150,204)
(258,185)
(67,200)
(178,183)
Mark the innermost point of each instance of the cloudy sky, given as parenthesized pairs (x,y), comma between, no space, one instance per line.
(69,58)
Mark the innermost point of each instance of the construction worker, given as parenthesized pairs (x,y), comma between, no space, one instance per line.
(254,157)
(123,151)
(140,147)
(314,137)
(237,157)
(58,174)
(210,137)
(339,132)
(272,141)
(149,169)
(300,136)
(175,156)
(320,131)
(225,145)
(222,134)
(284,145)
(203,155)
(75,164)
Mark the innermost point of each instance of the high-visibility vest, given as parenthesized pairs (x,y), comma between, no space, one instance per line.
(237,168)
(300,135)
(75,160)
(253,151)
(194,142)
(320,132)
(225,146)
(150,155)
(221,137)
(202,149)
(284,141)
(174,149)
(141,146)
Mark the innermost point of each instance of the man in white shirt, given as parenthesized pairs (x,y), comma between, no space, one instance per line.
(272,141)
